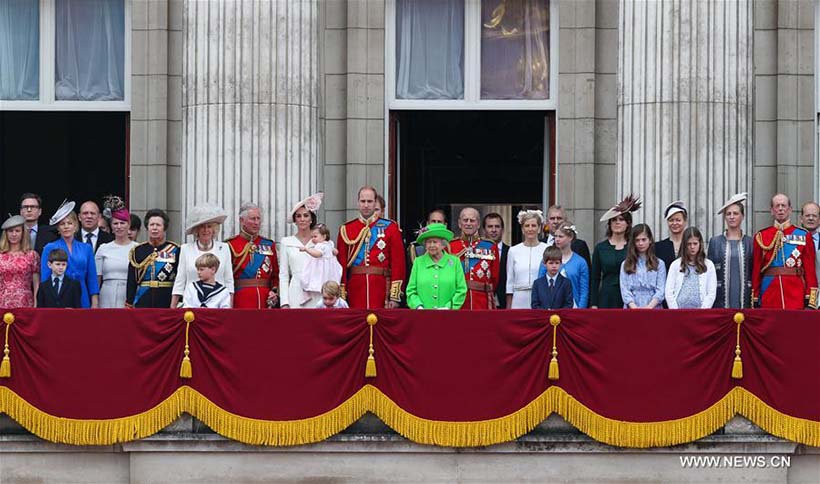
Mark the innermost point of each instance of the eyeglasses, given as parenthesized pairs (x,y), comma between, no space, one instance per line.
(29,207)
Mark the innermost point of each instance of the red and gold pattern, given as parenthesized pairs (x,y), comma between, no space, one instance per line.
(783,274)
(481,263)
(371,253)
(255,270)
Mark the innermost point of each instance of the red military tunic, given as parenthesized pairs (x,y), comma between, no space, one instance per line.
(783,274)
(480,260)
(255,270)
(371,253)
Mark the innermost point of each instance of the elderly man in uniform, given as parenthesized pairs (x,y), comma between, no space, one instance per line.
(479,259)
(783,271)
(371,253)
(255,266)
(152,265)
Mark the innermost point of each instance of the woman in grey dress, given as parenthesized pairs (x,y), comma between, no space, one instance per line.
(731,253)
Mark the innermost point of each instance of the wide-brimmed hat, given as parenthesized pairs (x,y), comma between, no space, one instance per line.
(13,221)
(311,203)
(204,214)
(62,212)
(439,231)
(736,198)
(675,207)
(629,204)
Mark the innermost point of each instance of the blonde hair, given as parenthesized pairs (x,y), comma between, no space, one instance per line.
(331,289)
(71,216)
(207,260)
(25,240)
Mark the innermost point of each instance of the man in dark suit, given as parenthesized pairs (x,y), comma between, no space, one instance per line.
(59,291)
(494,230)
(552,291)
(31,207)
(90,232)
(555,217)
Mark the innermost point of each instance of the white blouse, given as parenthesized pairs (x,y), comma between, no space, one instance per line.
(291,263)
(112,260)
(522,269)
(186,268)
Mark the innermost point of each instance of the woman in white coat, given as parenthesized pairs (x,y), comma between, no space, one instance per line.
(524,260)
(691,282)
(203,223)
(292,259)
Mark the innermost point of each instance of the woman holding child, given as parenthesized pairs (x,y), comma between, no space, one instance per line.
(294,257)
(19,266)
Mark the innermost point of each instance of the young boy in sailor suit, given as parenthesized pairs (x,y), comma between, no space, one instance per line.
(206,292)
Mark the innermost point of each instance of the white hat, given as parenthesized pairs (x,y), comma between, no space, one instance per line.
(629,204)
(311,203)
(736,198)
(204,214)
(13,221)
(675,207)
(62,212)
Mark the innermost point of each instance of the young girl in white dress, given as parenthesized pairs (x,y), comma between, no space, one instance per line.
(322,265)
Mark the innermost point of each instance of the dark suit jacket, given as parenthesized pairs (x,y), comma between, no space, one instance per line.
(102,238)
(45,234)
(559,297)
(501,290)
(70,294)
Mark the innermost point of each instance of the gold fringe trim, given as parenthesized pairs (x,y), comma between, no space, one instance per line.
(424,431)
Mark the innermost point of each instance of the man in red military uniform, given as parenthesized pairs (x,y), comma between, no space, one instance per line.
(480,260)
(783,274)
(255,267)
(371,253)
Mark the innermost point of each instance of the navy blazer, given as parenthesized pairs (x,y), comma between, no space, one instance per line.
(559,297)
(70,294)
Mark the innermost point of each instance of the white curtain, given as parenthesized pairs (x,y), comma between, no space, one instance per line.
(515,49)
(430,49)
(90,50)
(19,49)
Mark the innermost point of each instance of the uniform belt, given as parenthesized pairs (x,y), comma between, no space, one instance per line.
(784,271)
(242,283)
(373,271)
(155,284)
(479,286)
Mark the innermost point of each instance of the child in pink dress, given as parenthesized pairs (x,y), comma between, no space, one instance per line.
(322,265)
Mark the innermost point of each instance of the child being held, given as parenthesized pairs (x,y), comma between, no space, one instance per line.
(331,296)
(552,291)
(206,292)
(59,290)
(322,265)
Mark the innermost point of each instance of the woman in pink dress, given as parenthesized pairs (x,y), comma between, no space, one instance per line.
(19,266)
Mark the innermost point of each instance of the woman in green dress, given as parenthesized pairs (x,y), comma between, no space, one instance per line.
(437,278)
(605,290)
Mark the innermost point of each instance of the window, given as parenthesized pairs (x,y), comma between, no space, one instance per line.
(65,55)
(471,54)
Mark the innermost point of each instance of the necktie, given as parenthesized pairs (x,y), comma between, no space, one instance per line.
(552,283)
(88,238)
(57,285)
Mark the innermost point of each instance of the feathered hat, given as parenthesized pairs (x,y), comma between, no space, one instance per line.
(629,204)
(311,203)
(114,207)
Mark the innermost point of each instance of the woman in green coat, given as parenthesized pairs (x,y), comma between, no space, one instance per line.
(605,286)
(437,279)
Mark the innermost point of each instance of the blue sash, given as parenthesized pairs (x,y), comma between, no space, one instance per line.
(379,227)
(255,261)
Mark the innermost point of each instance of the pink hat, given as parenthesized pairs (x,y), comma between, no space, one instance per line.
(114,207)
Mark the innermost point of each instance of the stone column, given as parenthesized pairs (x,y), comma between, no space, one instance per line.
(250,100)
(685,115)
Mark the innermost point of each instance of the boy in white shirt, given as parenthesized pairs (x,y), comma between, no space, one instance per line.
(206,292)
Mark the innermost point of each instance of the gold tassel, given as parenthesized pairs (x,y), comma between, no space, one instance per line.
(370,367)
(185,371)
(737,365)
(5,366)
(553,373)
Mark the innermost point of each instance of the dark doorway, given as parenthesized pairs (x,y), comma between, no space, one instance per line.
(58,155)
(448,159)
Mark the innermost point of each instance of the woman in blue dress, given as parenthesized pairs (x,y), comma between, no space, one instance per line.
(573,266)
(81,266)
(643,274)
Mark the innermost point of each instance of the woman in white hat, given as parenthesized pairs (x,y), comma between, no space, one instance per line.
(81,265)
(677,217)
(524,260)
(19,266)
(203,223)
(731,252)
(293,257)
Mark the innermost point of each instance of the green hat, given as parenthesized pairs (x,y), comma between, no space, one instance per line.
(439,231)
